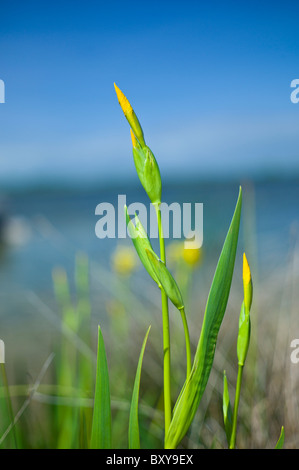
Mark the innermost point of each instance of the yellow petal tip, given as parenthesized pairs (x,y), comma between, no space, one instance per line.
(134,140)
(123,101)
(246,271)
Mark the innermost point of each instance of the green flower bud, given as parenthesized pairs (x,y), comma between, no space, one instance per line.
(141,243)
(244,320)
(243,335)
(148,170)
(166,280)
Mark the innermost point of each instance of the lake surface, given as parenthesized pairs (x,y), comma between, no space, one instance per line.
(47,229)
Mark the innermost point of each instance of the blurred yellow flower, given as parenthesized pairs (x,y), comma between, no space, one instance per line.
(192,256)
(177,252)
(124,260)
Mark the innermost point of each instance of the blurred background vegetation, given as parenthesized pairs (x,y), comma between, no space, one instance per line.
(212,88)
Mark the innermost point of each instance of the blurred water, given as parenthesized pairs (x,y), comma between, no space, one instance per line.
(47,229)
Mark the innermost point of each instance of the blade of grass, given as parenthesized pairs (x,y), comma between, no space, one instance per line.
(67,418)
(9,403)
(85,375)
(242,343)
(195,385)
(30,397)
(101,421)
(134,438)
(280,442)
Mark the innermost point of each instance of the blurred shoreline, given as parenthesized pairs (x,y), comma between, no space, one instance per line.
(48,228)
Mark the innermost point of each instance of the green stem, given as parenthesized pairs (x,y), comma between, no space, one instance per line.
(187,340)
(9,404)
(166,334)
(236,406)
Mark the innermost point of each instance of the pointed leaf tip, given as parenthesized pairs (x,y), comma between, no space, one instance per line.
(101,420)
(280,442)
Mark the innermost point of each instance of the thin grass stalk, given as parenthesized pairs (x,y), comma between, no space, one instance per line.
(187,340)
(236,407)
(166,333)
(9,403)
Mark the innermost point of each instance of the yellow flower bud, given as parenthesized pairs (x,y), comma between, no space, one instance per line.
(247,283)
(246,271)
(130,115)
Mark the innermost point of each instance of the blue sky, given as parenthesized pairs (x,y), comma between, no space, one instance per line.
(209,81)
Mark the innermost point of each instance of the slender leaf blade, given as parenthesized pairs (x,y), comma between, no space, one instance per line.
(134,437)
(101,421)
(280,442)
(195,385)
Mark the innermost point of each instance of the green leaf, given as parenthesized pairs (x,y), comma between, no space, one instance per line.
(101,421)
(166,280)
(280,442)
(134,438)
(195,385)
(141,243)
(227,410)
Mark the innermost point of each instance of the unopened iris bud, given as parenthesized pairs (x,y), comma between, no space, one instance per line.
(130,115)
(243,335)
(244,319)
(146,165)
(141,243)
(148,170)
(166,279)
(247,284)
